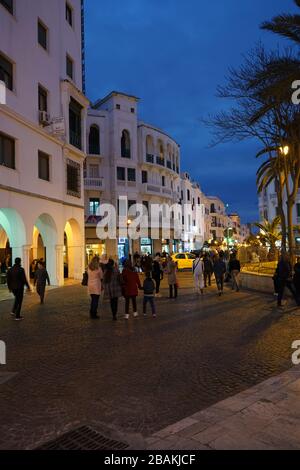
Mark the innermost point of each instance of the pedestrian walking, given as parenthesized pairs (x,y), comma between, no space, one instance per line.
(157,273)
(95,276)
(16,281)
(284,270)
(131,283)
(41,277)
(219,268)
(198,271)
(171,271)
(208,269)
(234,268)
(149,289)
(112,286)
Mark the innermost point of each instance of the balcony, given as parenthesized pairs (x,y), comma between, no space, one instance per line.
(96,184)
(157,190)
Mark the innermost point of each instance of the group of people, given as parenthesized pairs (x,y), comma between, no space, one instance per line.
(205,265)
(286,276)
(17,281)
(104,276)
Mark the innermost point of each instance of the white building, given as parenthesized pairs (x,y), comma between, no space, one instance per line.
(42,134)
(130,158)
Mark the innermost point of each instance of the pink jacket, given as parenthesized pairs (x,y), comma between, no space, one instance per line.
(94,281)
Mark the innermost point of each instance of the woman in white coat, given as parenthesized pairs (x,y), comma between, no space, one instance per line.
(95,276)
(198,271)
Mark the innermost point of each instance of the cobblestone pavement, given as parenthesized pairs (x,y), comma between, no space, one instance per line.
(264,417)
(134,377)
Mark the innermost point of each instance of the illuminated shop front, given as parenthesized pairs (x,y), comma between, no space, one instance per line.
(146,246)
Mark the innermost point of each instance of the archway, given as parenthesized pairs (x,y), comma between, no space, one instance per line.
(73,250)
(13,237)
(44,242)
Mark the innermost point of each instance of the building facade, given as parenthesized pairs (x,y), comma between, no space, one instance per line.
(131,159)
(42,135)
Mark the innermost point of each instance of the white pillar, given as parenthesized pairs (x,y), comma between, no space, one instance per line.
(59,266)
(26,259)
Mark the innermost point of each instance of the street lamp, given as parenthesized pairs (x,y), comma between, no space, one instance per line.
(284,150)
(129,221)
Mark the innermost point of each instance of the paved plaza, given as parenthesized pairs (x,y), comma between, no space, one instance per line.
(133,379)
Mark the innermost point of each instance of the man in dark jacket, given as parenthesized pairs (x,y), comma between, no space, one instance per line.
(157,273)
(219,271)
(284,279)
(208,270)
(16,281)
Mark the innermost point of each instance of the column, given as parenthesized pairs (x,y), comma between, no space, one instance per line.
(59,265)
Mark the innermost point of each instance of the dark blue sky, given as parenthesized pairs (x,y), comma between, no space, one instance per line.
(173,54)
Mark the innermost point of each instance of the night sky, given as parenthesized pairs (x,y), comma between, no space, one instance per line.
(172,54)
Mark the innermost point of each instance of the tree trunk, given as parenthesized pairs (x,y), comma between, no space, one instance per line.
(292,248)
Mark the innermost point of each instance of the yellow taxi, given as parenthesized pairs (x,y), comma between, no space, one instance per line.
(184,260)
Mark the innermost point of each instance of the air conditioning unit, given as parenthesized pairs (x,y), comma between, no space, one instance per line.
(44,118)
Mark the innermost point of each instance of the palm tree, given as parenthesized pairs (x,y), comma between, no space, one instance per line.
(272,170)
(286,25)
(270,234)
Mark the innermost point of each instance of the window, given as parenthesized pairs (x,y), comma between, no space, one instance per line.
(69,14)
(7,151)
(131,203)
(43,99)
(199,201)
(131,174)
(144,177)
(132,110)
(6,72)
(42,35)
(69,67)
(212,208)
(8,4)
(73,178)
(188,195)
(298,210)
(94,140)
(94,171)
(163,180)
(44,166)
(180,256)
(118,106)
(120,173)
(94,204)
(75,123)
(125,144)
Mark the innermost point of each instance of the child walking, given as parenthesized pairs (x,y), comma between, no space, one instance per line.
(149,288)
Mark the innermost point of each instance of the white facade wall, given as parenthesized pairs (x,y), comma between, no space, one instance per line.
(28,204)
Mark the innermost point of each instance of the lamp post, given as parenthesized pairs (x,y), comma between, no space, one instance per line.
(129,221)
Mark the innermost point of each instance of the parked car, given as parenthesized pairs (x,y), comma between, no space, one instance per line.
(184,260)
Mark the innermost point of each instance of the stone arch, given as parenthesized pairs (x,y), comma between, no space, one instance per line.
(44,245)
(74,249)
(13,231)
